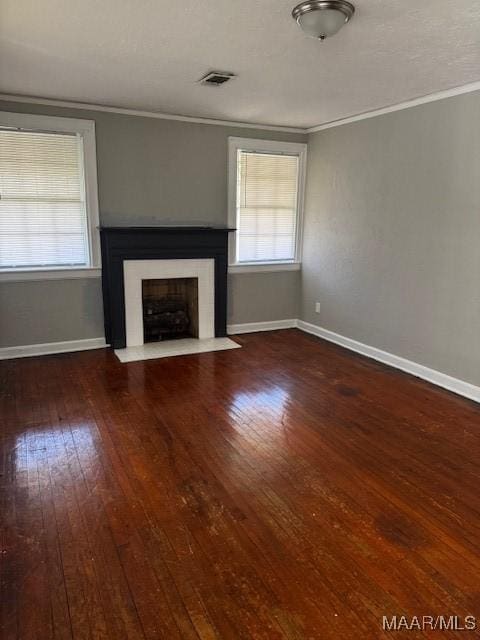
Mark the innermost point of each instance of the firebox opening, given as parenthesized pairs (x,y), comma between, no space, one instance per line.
(170,309)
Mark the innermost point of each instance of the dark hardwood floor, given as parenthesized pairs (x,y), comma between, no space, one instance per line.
(289,489)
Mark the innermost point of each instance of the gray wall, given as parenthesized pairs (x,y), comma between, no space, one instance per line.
(150,171)
(276,294)
(50,311)
(392,234)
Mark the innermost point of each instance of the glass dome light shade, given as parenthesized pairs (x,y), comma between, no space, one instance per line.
(322,19)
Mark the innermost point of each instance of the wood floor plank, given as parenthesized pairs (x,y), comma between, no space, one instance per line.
(286,490)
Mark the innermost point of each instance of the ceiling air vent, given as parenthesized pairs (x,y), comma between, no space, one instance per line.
(216,78)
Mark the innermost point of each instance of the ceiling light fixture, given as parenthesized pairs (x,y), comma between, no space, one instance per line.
(323,18)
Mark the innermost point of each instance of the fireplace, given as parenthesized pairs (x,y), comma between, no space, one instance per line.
(170,309)
(137,262)
(159,273)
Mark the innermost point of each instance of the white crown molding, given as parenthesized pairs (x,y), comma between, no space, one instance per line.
(147,114)
(400,106)
(432,97)
(431,375)
(47,348)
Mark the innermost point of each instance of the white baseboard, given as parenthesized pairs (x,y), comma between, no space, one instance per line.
(443,380)
(253,327)
(431,375)
(25,351)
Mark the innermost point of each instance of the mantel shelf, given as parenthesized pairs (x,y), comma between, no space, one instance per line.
(167,229)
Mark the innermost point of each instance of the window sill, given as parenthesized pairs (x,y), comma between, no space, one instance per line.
(50,274)
(266,267)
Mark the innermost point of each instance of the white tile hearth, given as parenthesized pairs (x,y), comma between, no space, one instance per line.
(169,348)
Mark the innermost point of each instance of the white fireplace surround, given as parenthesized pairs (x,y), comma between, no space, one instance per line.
(134,271)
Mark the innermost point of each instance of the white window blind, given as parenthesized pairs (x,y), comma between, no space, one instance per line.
(43,220)
(267,188)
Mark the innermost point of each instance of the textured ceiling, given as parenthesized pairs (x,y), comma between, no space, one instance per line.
(148,54)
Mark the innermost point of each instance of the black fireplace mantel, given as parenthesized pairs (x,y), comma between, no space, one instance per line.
(150,243)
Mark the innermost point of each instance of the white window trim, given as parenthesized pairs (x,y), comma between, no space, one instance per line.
(86,128)
(264,267)
(60,273)
(264,146)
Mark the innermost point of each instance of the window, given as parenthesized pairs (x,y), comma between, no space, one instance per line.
(266,199)
(48,199)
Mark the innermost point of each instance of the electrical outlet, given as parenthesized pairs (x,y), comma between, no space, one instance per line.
(317,307)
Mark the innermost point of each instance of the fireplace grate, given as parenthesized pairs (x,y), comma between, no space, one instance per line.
(165,318)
